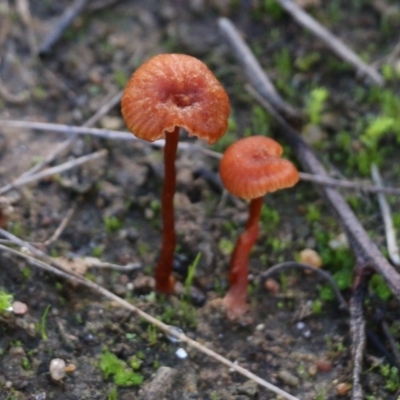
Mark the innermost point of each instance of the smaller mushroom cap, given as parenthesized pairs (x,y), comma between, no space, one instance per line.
(252,167)
(171,90)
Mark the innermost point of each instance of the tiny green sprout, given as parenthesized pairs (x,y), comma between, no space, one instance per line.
(98,251)
(316,307)
(343,278)
(313,214)
(131,336)
(315,104)
(191,272)
(392,377)
(112,224)
(6,300)
(152,334)
(113,394)
(120,78)
(226,246)
(377,128)
(273,8)
(135,363)
(379,287)
(43,321)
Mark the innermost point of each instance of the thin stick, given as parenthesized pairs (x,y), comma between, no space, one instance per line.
(168,330)
(390,232)
(324,274)
(54,170)
(328,181)
(63,22)
(65,221)
(118,135)
(336,45)
(116,267)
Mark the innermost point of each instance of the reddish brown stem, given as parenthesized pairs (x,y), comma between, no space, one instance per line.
(164,280)
(236,298)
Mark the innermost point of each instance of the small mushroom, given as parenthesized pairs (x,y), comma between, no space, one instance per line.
(250,168)
(167,92)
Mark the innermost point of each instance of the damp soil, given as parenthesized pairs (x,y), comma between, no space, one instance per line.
(294,336)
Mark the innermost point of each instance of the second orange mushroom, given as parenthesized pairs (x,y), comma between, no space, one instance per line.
(249,169)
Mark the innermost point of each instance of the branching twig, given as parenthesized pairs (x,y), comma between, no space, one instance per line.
(324,274)
(54,170)
(169,330)
(259,79)
(118,135)
(336,45)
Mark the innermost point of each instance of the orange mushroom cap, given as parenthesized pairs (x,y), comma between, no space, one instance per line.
(171,90)
(251,167)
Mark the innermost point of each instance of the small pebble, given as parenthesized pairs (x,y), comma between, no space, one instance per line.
(272,286)
(310,257)
(181,353)
(324,365)
(57,369)
(260,327)
(40,396)
(342,389)
(339,242)
(288,378)
(307,334)
(111,123)
(70,368)
(300,325)
(312,370)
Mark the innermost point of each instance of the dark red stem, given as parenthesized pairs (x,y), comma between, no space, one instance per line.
(164,280)
(236,298)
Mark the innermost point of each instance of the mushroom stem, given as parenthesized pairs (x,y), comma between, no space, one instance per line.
(165,282)
(235,299)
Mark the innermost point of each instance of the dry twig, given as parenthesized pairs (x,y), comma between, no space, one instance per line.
(167,329)
(336,45)
(54,170)
(125,136)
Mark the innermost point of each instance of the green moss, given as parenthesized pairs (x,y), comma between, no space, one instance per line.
(122,374)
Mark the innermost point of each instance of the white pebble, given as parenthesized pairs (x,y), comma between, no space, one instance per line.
(57,369)
(19,308)
(181,353)
(300,326)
